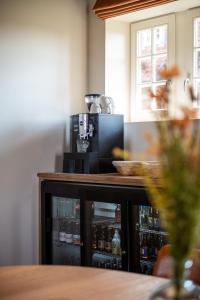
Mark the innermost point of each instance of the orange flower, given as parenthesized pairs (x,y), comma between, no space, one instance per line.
(162,95)
(151,93)
(170,73)
(179,123)
(189,112)
(153,149)
(148,136)
(117,152)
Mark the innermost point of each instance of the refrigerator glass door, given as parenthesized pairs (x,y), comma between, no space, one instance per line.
(65,231)
(151,237)
(105,235)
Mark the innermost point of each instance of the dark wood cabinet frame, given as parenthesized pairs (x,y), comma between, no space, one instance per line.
(128,197)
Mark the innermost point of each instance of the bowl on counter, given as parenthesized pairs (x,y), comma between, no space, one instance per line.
(137,168)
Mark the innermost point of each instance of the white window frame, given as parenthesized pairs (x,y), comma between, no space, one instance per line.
(184,52)
(143,115)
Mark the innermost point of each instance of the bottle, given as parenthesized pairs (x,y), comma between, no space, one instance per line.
(62,231)
(156,220)
(108,239)
(76,234)
(116,243)
(144,247)
(92,210)
(94,237)
(142,217)
(101,240)
(68,232)
(150,245)
(150,219)
(118,214)
(77,209)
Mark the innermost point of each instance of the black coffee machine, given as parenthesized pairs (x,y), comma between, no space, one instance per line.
(93,137)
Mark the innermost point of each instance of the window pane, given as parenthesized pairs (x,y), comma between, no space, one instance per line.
(158,104)
(197,32)
(144,69)
(197,62)
(143,95)
(160,39)
(144,42)
(159,63)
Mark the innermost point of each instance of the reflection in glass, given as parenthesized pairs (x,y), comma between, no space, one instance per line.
(159,63)
(160,39)
(197,32)
(144,68)
(197,62)
(144,42)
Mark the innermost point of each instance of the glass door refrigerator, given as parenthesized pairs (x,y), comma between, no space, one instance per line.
(61,240)
(150,237)
(105,230)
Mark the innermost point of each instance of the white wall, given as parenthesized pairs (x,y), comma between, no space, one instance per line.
(117,72)
(43,68)
(96,52)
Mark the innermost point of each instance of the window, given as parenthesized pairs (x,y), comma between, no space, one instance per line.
(152,50)
(196,58)
(157,44)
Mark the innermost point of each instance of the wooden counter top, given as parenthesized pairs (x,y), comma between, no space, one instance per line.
(112,178)
(74,283)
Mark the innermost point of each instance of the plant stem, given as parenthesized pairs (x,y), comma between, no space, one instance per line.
(178,275)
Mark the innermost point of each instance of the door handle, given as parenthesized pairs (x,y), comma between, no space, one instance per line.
(187,81)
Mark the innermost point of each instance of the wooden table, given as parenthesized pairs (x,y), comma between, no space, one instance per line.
(73,283)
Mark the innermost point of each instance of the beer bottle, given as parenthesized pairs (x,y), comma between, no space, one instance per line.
(156,219)
(118,214)
(144,247)
(76,234)
(68,232)
(62,231)
(101,240)
(77,209)
(108,240)
(150,218)
(94,237)
(116,243)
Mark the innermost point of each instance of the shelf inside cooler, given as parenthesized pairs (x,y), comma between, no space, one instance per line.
(64,244)
(105,255)
(143,230)
(106,261)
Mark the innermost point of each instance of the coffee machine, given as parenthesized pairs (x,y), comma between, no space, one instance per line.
(93,137)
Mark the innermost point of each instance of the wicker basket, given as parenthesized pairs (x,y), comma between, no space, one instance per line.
(136,168)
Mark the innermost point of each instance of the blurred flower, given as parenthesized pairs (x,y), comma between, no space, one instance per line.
(170,73)
(178,149)
(123,154)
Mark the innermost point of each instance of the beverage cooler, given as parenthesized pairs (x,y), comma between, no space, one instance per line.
(99,226)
